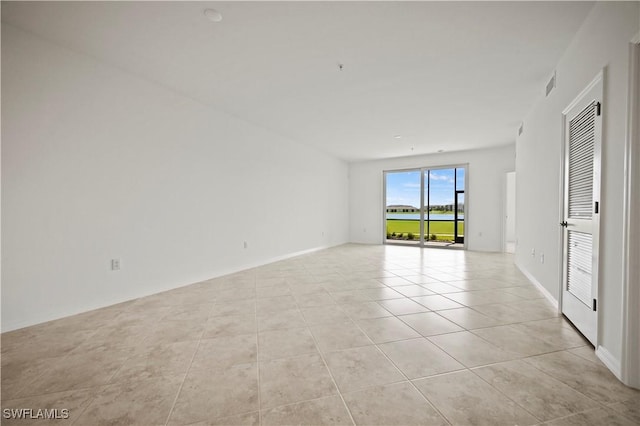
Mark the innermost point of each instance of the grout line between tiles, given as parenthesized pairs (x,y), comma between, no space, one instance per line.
(175,400)
(324,361)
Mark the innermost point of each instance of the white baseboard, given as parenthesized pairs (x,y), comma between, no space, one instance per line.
(610,361)
(535,282)
(43,317)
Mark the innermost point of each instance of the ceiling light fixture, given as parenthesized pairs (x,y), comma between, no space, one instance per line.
(213,15)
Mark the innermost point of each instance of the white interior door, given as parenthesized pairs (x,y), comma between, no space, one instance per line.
(583,136)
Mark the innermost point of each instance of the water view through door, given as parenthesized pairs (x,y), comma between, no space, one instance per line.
(425,206)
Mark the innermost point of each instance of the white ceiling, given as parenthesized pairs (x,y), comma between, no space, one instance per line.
(444,75)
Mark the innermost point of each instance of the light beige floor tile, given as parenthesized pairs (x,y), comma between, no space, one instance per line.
(324,315)
(526,292)
(291,318)
(419,358)
(78,372)
(144,402)
(350,296)
(587,352)
(231,325)
(421,279)
(505,314)
(289,380)
(556,331)
(331,337)
(479,284)
(511,339)
(247,419)
(388,329)
(358,368)
(161,360)
(236,307)
(365,310)
(396,404)
(383,293)
(106,338)
(285,343)
(430,323)
(359,284)
(540,394)
(273,291)
(193,312)
(324,411)
(469,318)
(595,417)
(174,331)
(50,345)
(394,281)
(18,373)
(314,299)
(274,304)
(590,379)
(483,297)
(74,402)
(441,288)
(537,309)
(211,394)
(629,408)
(402,306)
(471,350)
(226,351)
(297,289)
(413,291)
(437,302)
(465,399)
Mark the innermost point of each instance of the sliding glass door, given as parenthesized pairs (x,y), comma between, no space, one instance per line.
(402,212)
(426,206)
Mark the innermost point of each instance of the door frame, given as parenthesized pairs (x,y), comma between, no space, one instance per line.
(421,242)
(630,360)
(505,197)
(598,79)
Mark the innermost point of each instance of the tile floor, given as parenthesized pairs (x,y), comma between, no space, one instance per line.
(355,334)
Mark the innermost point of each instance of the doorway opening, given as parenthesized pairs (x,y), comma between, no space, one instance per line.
(426,206)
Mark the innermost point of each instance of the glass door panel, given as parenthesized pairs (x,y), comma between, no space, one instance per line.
(425,206)
(402,207)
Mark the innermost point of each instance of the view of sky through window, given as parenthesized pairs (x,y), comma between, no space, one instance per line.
(403,188)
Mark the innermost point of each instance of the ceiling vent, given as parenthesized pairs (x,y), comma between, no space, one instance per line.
(551,84)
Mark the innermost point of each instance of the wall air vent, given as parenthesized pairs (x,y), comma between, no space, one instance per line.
(551,84)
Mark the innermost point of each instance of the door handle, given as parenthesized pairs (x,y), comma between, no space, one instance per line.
(564,224)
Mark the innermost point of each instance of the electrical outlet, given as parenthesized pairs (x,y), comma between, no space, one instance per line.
(533,252)
(542,258)
(115,264)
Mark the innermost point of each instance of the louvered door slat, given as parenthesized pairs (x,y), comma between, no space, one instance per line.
(580,246)
(581,150)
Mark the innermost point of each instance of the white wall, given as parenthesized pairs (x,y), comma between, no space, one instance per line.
(510,211)
(486,169)
(98,164)
(602,41)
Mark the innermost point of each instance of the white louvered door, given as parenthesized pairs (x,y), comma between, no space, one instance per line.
(583,137)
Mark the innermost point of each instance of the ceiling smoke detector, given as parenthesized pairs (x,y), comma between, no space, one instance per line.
(213,15)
